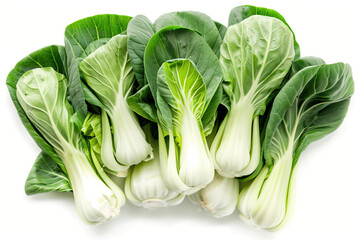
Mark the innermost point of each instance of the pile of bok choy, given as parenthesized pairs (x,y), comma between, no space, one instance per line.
(182,106)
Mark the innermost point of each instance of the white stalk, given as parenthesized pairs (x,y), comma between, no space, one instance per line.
(95,202)
(168,164)
(129,139)
(196,166)
(144,187)
(107,150)
(238,129)
(265,202)
(219,198)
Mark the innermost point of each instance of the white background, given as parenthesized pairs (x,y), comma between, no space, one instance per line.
(328,191)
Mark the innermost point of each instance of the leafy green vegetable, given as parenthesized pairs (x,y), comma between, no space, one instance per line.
(242,91)
(311,105)
(141,30)
(109,73)
(255,56)
(51,56)
(79,42)
(240,13)
(175,42)
(46,176)
(42,93)
(181,99)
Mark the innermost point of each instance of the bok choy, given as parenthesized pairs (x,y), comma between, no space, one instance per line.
(41,93)
(255,56)
(182,106)
(312,104)
(109,73)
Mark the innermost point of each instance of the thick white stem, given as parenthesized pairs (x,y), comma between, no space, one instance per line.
(264,203)
(145,187)
(196,165)
(168,165)
(129,139)
(107,149)
(95,202)
(219,197)
(234,151)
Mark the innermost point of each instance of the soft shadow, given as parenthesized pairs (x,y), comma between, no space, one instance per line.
(183,213)
(53,196)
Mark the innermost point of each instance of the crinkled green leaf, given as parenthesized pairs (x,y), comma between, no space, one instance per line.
(93,46)
(42,93)
(255,56)
(240,13)
(109,72)
(92,129)
(311,105)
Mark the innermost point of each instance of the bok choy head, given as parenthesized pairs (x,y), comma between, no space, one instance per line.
(255,56)
(312,104)
(42,93)
(185,83)
(109,74)
(181,98)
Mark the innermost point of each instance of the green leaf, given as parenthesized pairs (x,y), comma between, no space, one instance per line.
(92,129)
(176,42)
(240,13)
(139,32)
(90,97)
(296,66)
(42,93)
(46,176)
(93,46)
(255,56)
(51,56)
(209,117)
(221,28)
(108,72)
(181,86)
(311,105)
(78,36)
(196,21)
(143,104)
(303,63)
